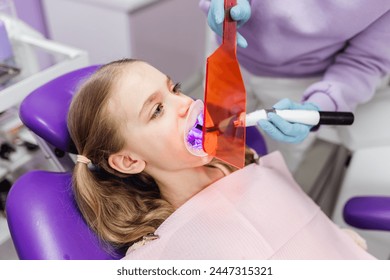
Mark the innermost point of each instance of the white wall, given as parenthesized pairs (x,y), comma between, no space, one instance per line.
(170,34)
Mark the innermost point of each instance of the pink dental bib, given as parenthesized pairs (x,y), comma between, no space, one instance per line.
(258,212)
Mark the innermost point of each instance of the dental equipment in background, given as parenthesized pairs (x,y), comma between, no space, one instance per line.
(8,68)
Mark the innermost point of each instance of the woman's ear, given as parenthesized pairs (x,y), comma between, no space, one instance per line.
(125,164)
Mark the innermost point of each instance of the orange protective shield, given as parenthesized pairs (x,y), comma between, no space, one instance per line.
(225,99)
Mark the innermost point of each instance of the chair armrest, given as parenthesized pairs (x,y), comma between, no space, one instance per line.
(368,212)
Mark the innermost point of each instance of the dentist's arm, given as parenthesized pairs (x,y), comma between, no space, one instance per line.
(357,70)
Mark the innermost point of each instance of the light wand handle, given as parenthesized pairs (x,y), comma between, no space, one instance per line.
(308,117)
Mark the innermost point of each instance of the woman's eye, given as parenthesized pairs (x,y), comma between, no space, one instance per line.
(176,88)
(158,111)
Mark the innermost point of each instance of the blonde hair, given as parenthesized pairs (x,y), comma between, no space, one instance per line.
(120,208)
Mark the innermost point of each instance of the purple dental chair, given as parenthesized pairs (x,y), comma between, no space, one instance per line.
(43,218)
(368,212)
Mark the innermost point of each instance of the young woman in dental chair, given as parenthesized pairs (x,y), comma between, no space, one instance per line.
(138,186)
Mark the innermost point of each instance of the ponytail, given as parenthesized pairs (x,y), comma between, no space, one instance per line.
(118,210)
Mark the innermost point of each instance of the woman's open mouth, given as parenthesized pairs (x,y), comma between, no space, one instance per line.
(193,133)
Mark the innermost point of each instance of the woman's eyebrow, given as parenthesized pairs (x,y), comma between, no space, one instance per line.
(148,101)
(153,97)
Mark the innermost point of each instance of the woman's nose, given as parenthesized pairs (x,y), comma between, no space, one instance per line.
(184,107)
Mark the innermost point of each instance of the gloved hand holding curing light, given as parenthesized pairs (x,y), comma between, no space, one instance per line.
(240,13)
(281,130)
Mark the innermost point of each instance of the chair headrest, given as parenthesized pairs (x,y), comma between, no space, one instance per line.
(45,110)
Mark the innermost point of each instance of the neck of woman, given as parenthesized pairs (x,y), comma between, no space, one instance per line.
(179,187)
